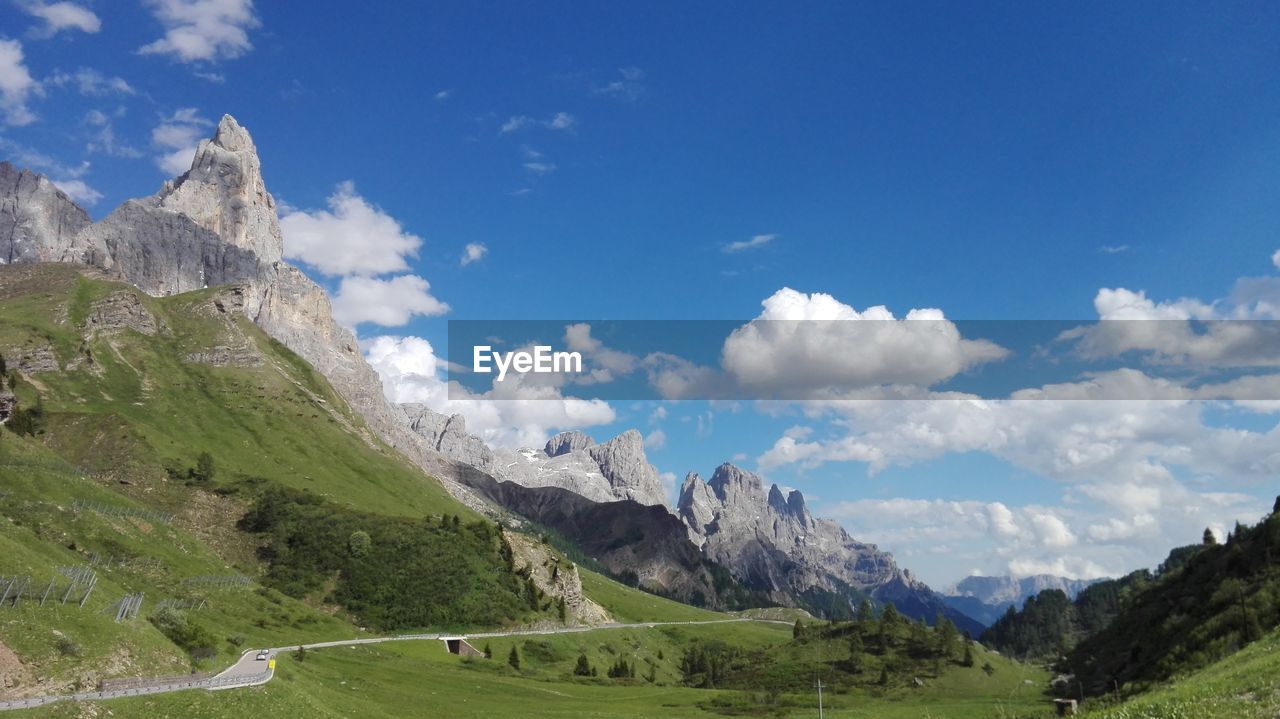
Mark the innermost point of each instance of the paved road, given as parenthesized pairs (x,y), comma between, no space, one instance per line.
(249,671)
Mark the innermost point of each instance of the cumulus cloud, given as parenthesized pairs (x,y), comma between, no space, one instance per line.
(352,237)
(178,135)
(202,30)
(388,302)
(16,85)
(509,415)
(803,345)
(59,16)
(751,244)
(472,253)
(1222,333)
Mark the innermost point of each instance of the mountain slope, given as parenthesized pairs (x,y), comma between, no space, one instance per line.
(120,399)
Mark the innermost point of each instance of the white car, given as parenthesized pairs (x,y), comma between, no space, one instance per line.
(264,655)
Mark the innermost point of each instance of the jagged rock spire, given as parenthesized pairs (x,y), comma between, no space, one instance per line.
(224,192)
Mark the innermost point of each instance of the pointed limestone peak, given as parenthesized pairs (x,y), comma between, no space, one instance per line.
(777,501)
(697,507)
(224,192)
(230,135)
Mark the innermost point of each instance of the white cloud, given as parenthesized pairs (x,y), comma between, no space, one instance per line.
(78,190)
(540,168)
(753,243)
(814,345)
(1275,259)
(473,252)
(655,440)
(1113,249)
(509,415)
(59,16)
(562,121)
(514,123)
(386,302)
(179,134)
(15,85)
(202,30)
(606,364)
(443,95)
(352,237)
(103,137)
(91,83)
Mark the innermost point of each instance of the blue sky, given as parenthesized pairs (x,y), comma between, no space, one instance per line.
(1002,160)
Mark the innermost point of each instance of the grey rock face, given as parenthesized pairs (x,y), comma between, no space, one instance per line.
(771,541)
(38,222)
(224,192)
(117,312)
(566,442)
(447,435)
(162,252)
(697,507)
(623,464)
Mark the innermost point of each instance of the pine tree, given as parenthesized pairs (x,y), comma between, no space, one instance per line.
(797,630)
(488,651)
(865,611)
(514,658)
(967,661)
(1209,539)
(583,667)
(884,676)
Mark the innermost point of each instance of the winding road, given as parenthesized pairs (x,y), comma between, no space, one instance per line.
(249,671)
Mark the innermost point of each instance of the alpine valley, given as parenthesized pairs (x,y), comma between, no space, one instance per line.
(198,462)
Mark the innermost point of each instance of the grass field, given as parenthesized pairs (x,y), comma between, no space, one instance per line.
(420,679)
(631,605)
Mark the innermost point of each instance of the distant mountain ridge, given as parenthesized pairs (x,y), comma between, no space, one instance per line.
(987,598)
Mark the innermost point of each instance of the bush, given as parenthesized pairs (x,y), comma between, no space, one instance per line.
(197,641)
(67,647)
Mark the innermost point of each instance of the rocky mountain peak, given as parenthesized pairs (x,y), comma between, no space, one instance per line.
(38,222)
(733,485)
(232,136)
(623,463)
(224,192)
(566,442)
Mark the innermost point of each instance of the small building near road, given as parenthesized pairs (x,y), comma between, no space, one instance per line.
(460,646)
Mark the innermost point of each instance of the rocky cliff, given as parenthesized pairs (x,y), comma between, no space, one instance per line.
(771,542)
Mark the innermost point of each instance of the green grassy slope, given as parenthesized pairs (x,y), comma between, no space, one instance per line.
(420,679)
(125,417)
(1245,685)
